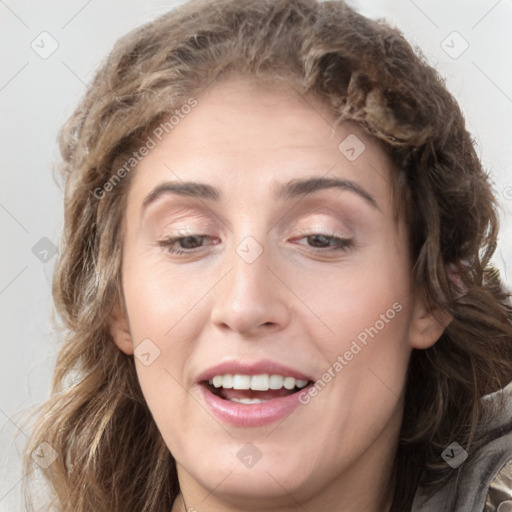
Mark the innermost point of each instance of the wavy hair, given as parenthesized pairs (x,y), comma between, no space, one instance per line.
(112,457)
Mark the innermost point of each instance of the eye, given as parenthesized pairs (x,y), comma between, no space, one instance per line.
(323,242)
(182,245)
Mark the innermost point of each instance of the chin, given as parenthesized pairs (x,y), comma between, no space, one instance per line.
(249,472)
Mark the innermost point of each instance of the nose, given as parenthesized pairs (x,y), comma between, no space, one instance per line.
(251,299)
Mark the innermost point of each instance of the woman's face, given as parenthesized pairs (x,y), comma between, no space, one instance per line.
(261,252)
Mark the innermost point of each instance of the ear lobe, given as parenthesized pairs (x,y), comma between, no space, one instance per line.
(427,326)
(120,329)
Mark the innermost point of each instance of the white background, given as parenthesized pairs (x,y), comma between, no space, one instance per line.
(37,95)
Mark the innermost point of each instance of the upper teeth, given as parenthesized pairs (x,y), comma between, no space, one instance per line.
(256,382)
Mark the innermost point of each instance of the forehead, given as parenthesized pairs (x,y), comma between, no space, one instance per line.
(242,132)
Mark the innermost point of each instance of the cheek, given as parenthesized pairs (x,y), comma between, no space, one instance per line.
(366,299)
(365,310)
(164,308)
(163,318)
(160,298)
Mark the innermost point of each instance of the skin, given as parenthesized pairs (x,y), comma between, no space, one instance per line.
(299,303)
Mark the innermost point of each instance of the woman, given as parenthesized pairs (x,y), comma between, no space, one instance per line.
(275,276)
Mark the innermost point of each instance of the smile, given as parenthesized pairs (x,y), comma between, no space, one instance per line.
(254,389)
(247,396)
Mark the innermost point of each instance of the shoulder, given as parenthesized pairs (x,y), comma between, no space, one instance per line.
(499,496)
(483,483)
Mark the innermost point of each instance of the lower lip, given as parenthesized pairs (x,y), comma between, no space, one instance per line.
(251,415)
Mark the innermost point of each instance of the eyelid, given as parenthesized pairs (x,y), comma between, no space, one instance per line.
(170,230)
(345,231)
(319,221)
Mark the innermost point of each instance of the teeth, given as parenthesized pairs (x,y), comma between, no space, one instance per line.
(241,382)
(289,382)
(227,381)
(259,382)
(262,382)
(276,382)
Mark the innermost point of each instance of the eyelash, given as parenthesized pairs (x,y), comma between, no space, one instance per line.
(341,245)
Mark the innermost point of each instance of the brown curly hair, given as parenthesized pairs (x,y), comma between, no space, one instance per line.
(364,71)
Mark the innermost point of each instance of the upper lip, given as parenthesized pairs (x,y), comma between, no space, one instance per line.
(251,368)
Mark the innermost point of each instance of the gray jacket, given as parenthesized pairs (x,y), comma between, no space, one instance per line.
(485,480)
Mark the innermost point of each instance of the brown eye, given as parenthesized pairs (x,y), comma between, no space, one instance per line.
(322,242)
(182,245)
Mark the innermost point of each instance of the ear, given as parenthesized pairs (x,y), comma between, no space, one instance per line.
(427,326)
(120,329)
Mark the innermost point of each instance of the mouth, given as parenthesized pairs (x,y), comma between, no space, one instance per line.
(252,395)
(253,389)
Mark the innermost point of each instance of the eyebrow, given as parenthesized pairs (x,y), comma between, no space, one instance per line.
(286,191)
